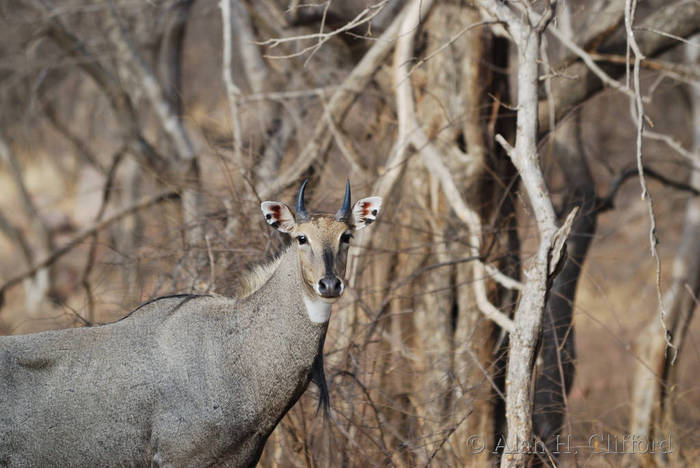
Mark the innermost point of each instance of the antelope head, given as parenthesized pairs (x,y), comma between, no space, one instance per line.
(322,239)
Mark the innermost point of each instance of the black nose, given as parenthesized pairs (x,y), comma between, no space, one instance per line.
(330,286)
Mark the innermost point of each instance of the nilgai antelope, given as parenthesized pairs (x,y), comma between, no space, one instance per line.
(183,380)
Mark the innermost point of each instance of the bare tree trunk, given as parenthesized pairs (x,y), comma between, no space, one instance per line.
(526,31)
(401,328)
(456,381)
(449,110)
(232,91)
(453,110)
(556,373)
(656,372)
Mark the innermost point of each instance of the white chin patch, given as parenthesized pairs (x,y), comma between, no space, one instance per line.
(319,311)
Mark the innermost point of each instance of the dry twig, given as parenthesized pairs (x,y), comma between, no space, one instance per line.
(638,117)
(363,17)
(338,106)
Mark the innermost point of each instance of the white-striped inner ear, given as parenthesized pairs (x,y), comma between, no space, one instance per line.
(279,216)
(365,211)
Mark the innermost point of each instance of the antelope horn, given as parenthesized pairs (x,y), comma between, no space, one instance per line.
(301,209)
(344,213)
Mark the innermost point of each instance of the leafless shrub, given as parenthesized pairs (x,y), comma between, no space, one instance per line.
(138,138)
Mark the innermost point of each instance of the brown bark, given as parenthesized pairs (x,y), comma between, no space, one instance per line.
(680,18)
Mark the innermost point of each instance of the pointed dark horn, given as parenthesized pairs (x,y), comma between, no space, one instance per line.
(301,209)
(344,213)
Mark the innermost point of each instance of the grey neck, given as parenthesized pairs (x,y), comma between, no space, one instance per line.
(288,344)
(281,299)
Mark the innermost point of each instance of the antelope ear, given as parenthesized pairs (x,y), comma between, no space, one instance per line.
(365,211)
(279,216)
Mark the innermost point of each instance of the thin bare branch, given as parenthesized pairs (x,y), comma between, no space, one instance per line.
(687,72)
(363,17)
(680,16)
(607,202)
(92,253)
(501,278)
(447,44)
(638,116)
(338,106)
(287,95)
(675,145)
(675,37)
(344,147)
(590,63)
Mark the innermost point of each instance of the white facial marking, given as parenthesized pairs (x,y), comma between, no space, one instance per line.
(318,311)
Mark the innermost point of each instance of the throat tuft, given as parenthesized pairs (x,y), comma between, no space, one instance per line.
(317,310)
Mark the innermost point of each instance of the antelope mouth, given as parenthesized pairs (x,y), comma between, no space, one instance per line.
(330,296)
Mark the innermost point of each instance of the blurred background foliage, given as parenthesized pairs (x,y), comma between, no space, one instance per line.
(122,137)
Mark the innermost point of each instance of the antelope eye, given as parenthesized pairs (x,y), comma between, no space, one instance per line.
(345,238)
(301,239)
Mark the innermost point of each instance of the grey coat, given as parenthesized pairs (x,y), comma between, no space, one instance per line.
(182,381)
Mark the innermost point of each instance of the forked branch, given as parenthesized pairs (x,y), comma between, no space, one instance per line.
(526,31)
